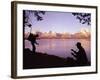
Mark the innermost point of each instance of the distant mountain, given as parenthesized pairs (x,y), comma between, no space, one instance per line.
(82,34)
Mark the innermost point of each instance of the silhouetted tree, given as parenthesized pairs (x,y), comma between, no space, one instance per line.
(84,18)
(26,22)
(36,14)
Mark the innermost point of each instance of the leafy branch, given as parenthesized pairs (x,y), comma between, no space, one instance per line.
(84,18)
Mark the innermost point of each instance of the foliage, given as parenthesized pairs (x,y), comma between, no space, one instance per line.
(84,18)
(36,14)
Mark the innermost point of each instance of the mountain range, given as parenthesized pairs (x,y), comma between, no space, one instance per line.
(82,34)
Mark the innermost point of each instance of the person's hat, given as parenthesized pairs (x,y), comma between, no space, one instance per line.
(78,44)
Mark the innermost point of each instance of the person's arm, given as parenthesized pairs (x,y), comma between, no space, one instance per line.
(36,43)
(74,55)
(74,51)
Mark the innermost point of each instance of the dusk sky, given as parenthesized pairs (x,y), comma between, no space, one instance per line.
(57,22)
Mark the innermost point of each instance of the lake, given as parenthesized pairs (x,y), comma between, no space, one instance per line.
(60,47)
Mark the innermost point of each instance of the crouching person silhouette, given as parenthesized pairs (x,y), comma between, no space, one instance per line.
(80,55)
(32,38)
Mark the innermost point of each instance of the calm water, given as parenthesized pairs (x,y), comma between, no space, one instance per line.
(60,47)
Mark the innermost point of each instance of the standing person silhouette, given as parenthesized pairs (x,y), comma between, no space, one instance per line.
(80,56)
(32,38)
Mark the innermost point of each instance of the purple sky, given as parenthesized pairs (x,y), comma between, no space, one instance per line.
(57,22)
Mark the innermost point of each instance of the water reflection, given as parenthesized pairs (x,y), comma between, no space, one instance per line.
(60,47)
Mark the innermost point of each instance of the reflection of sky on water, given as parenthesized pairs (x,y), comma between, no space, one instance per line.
(60,47)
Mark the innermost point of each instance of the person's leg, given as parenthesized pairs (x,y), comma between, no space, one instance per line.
(34,48)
